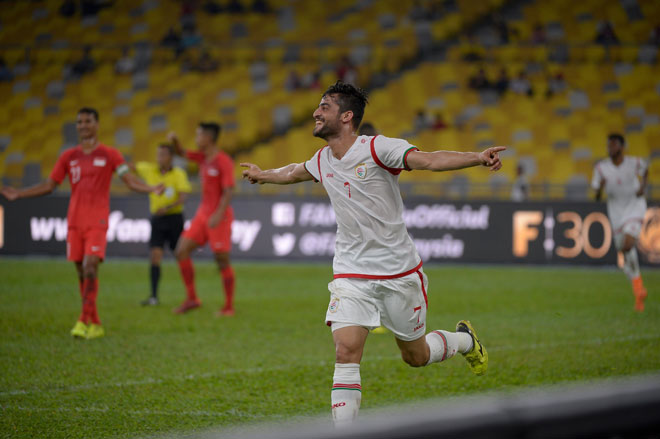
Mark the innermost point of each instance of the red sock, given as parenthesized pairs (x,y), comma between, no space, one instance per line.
(83,316)
(188,275)
(91,290)
(229,281)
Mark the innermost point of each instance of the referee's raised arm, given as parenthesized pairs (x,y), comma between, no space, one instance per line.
(178,148)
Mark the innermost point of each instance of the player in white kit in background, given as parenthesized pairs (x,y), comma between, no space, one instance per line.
(378,276)
(619,176)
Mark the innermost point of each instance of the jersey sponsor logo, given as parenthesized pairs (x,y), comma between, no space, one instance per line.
(95,248)
(213,172)
(334,305)
(330,175)
(361,171)
(73,162)
(339,404)
(99,161)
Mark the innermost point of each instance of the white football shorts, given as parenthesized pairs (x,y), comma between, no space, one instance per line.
(398,304)
(633,227)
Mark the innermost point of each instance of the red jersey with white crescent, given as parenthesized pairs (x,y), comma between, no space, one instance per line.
(90,175)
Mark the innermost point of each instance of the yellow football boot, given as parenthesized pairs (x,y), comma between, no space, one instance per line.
(477,358)
(95,331)
(79,330)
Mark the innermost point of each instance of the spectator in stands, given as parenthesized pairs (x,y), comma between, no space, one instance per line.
(556,85)
(502,29)
(605,34)
(190,37)
(311,80)
(6,75)
(417,11)
(292,81)
(502,82)
(235,7)
(520,186)
(84,65)
(90,8)
(346,72)
(212,7)
(479,81)
(206,63)
(172,39)
(367,129)
(473,51)
(539,35)
(260,7)
(68,9)
(521,85)
(439,122)
(655,36)
(422,121)
(125,64)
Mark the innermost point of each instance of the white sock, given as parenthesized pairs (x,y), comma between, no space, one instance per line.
(631,264)
(346,393)
(445,344)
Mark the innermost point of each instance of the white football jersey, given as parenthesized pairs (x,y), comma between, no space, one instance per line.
(621,186)
(372,239)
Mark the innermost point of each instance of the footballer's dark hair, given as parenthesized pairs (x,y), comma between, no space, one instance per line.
(349,98)
(168,146)
(617,136)
(212,128)
(89,110)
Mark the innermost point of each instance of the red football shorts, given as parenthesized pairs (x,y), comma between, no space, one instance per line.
(219,237)
(85,241)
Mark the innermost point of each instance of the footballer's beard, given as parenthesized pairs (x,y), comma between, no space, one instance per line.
(616,155)
(324,131)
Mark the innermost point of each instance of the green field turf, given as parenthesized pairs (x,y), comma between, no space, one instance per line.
(156,372)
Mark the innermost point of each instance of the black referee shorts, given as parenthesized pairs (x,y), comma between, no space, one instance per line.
(166,228)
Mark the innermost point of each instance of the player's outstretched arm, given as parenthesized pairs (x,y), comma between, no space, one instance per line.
(178,147)
(289,174)
(451,160)
(137,185)
(37,190)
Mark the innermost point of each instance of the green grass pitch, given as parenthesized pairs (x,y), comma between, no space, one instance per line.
(155,372)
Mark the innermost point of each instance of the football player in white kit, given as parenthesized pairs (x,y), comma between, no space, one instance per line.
(619,176)
(378,276)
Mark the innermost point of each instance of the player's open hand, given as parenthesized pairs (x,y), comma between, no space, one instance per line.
(252,172)
(491,157)
(10,193)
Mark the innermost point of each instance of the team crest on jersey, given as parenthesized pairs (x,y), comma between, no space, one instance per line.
(361,171)
(334,305)
(99,161)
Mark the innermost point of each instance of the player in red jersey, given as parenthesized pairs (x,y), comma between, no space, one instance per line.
(90,166)
(212,222)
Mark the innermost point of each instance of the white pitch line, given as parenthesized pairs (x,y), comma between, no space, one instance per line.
(96,409)
(257,370)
